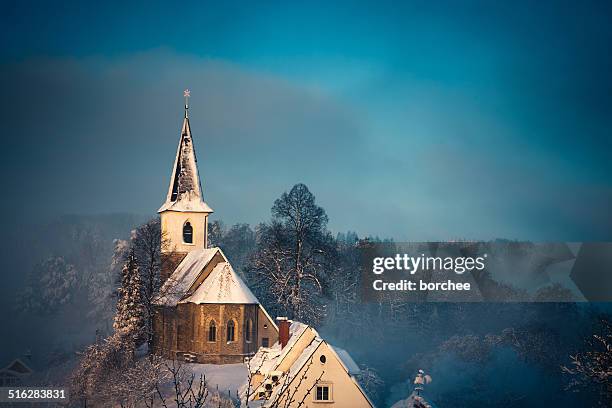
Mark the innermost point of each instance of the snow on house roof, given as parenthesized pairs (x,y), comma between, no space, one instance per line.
(18,367)
(305,356)
(346,359)
(304,359)
(223,285)
(267,360)
(185,274)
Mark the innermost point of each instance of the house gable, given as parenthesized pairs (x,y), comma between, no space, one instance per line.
(19,367)
(320,362)
(305,359)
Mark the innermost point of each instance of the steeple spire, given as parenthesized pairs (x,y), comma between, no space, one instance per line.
(186,94)
(185,190)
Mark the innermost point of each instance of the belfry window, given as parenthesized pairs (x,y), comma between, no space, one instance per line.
(188,233)
(230,331)
(212,331)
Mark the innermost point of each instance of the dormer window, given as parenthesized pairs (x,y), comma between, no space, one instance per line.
(188,233)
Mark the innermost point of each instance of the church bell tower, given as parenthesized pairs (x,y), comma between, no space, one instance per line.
(184,214)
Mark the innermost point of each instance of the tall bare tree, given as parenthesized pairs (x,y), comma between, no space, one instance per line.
(148,243)
(294,256)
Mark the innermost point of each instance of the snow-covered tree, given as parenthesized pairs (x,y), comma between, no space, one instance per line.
(51,284)
(294,256)
(216,230)
(102,286)
(147,242)
(108,374)
(130,316)
(99,366)
(238,243)
(592,369)
(344,305)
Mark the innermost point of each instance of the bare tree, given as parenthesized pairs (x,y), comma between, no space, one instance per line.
(294,255)
(370,380)
(593,368)
(189,392)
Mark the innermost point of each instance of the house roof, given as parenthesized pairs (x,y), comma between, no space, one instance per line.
(185,190)
(267,360)
(345,358)
(223,285)
(18,367)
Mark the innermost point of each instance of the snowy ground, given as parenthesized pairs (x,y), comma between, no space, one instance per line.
(223,380)
(227,377)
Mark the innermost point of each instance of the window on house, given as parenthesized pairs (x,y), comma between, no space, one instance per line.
(188,233)
(265,342)
(230,331)
(248,333)
(323,393)
(212,331)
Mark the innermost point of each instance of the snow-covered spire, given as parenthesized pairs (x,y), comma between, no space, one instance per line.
(185,191)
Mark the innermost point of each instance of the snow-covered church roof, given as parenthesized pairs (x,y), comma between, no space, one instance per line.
(222,285)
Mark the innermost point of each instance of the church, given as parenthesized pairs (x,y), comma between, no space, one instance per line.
(205,312)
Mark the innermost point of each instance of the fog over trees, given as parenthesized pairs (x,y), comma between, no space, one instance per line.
(503,353)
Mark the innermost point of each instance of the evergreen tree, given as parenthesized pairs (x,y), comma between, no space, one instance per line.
(130,316)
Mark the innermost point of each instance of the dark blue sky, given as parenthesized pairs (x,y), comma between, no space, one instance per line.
(412,120)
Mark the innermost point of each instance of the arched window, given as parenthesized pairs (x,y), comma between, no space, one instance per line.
(230,331)
(188,233)
(212,331)
(248,331)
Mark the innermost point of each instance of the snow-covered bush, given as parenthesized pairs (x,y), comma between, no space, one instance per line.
(51,284)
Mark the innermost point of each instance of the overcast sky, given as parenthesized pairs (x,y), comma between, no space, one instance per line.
(413,120)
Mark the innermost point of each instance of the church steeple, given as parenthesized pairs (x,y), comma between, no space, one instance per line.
(184,214)
(185,190)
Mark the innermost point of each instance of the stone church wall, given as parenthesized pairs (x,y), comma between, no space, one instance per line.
(185,330)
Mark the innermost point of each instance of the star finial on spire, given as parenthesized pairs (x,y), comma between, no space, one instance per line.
(186,94)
